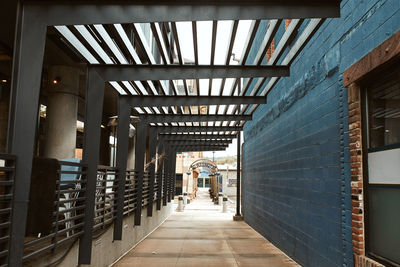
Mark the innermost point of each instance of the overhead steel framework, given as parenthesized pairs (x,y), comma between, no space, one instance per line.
(160,101)
(158,82)
(181,129)
(168,118)
(179,72)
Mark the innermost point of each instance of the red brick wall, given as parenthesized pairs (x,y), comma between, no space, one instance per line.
(357,183)
(357,195)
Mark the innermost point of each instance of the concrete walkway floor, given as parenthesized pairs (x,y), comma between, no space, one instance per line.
(204,236)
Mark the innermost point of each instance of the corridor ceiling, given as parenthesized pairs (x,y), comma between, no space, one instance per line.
(137,48)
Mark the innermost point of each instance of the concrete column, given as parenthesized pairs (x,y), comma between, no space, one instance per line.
(4,105)
(104,157)
(62,110)
(131,154)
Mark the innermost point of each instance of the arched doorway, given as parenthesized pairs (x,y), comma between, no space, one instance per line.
(205,175)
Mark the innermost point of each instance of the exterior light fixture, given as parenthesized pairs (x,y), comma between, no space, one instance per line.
(57,80)
(102,126)
(188,172)
(4,81)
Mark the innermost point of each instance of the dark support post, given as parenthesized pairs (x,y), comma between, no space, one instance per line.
(165,176)
(124,112)
(91,149)
(26,79)
(174,174)
(170,178)
(238,214)
(139,167)
(152,154)
(160,150)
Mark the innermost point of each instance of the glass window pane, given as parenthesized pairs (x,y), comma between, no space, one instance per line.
(384,109)
(384,221)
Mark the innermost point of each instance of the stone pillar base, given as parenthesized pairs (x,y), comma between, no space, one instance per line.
(238,218)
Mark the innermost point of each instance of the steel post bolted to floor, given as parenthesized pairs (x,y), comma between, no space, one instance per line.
(91,149)
(170,161)
(160,150)
(165,176)
(152,156)
(124,112)
(139,167)
(29,48)
(238,198)
(174,175)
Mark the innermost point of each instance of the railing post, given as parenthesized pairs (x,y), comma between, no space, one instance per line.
(152,154)
(91,149)
(124,113)
(29,48)
(139,167)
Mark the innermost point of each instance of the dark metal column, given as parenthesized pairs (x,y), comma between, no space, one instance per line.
(139,167)
(152,154)
(91,149)
(170,162)
(238,177)
(124,112)
(174,175)
(25,90)
(165,176)
(160,150)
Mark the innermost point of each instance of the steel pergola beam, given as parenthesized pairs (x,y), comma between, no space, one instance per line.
(182,72)
(198,148)
(168,118)
(195,142)
(178,129)
(167,136)
(201,141)
(85,12)
(163,101)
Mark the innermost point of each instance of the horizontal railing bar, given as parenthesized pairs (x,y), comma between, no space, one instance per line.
(52,245)
(68,163)
(69,200)
(4,225)
(7,169)
(69,210)
(6,210)
(7,183)
(71,181)
(6,197)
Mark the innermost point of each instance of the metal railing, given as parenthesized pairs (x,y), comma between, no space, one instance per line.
(130,192)
(105,200)
(69,205)
(67,222)
(146,189)
(7,170)
(156,186)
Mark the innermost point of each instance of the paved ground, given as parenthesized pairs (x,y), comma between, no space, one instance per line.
(204,236)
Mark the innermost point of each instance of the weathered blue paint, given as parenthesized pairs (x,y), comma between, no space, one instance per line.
(296,184)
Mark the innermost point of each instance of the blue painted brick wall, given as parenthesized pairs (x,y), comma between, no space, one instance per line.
(296,182)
